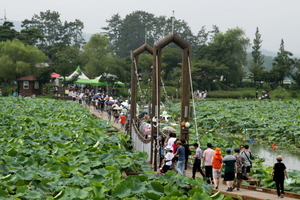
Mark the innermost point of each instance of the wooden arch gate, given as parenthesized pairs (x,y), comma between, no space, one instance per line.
(135,54)
(186,84)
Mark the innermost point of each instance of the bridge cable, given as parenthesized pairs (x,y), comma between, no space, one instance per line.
(194,108)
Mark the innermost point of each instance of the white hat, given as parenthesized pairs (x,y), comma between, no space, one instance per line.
(168,148)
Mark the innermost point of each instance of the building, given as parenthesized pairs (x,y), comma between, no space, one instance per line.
(29,85)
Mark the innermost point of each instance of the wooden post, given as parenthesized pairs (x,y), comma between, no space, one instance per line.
(185,97)
(156,83)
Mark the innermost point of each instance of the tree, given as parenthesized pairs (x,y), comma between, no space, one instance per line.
(95,55)
(256,64)
(139,27)
(296,74)
(113,32)
(30,36)
(68,60)
(228,49)
(202,36)
(7,32)
(55,34)
(17,60)
(205,72)
(145,62)
(172,60)
(282,65)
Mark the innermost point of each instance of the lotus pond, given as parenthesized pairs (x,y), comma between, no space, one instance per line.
(54,149)
(227,124)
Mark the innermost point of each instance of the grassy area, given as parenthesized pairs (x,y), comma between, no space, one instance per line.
(249,93)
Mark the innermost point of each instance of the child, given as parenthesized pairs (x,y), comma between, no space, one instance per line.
(167,161)
(278,176)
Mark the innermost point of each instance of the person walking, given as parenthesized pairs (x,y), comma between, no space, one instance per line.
(197,162)
(207,157)
(116,116)
(171,140)
(187,152)
(247,155)
(216,165)
(181,158)
(240,166)
(109,112)
(229,161)
(279,170)
(123,121)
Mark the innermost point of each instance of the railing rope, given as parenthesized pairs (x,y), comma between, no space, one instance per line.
(142,143)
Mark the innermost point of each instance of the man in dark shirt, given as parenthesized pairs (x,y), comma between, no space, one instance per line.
(229,161)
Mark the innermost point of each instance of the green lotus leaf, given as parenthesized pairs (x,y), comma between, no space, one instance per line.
(100,190)
(152,195)
(4,169)
(217,196)
(76,193)
(105,156)
(25,175)
(120,191)
(12,152)
(33,194)
(2,193)
(169,189)
(194,190)
(135,185)
(22,189)
(201,196)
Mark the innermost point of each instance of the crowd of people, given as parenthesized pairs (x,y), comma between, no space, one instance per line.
(210,163)
(200,95)
(116,109)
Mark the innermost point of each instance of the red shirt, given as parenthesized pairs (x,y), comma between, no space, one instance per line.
(175,147)
(123,119)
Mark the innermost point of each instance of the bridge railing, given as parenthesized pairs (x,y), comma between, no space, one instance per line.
(140,142)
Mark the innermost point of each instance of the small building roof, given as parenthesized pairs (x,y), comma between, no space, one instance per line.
(28,78)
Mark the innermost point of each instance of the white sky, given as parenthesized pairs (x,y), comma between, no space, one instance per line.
(276,19)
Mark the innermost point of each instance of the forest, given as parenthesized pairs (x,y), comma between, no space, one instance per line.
(219,60)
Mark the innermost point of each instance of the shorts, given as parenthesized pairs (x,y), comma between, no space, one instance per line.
(229,176)
(216,173)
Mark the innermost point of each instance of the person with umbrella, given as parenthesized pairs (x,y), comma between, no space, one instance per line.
(109,111)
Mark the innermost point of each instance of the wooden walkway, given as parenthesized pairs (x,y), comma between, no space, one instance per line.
(246,192)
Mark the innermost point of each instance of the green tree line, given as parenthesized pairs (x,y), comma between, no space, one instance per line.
(218,58)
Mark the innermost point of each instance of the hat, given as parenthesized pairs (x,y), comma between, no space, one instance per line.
(218,151)
(279,157)
(168,148)
(228,150)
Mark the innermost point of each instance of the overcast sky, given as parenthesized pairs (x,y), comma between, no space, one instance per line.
(276,19)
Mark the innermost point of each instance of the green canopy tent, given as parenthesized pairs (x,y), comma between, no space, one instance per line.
(120,83)
(84,81)
(97,83)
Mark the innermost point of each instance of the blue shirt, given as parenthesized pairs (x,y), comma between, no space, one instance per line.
(181,153)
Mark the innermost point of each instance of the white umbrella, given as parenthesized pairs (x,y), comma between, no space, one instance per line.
(124,104)
(117,108)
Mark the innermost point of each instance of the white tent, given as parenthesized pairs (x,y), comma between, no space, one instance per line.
(76,73)
(81,75)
